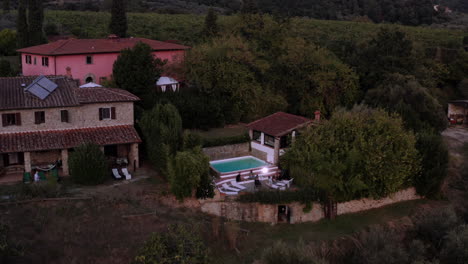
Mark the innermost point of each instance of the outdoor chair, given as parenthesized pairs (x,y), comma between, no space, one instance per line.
(128,176)
(116,174)
(26,177)
(42,176)
(237,185)
(288,182)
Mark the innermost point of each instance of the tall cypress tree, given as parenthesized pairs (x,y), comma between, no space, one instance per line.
(211,26)
(118,24)
(6,6)
(22,25)
(35,21)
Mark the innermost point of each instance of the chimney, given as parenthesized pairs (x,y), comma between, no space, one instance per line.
(317,116)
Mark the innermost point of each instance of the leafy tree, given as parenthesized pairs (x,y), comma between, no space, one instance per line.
(186,172)
(191,140)
(6,6)
(455,249)
(22,25)
(222,71)
(313,78)
(405,96)
(434,162)
(178,244)
(162,129)
(118,24)
(35,22)
(88,165)
(360,153)
(249,7)
(5,68)
(283,253)
(136,70)
(390,51)
(7,42)
(211,25)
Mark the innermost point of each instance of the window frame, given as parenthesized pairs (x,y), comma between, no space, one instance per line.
(39,117)
(106,110)
(11,119)
(265,141)
(259,136)
(45,61)
(91,60)
(64,116)
(28,59)
(112,113)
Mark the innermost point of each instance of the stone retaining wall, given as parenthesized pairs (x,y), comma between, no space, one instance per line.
(256,212)
(228,151)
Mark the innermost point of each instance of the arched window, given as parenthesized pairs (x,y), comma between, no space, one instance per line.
(89,79)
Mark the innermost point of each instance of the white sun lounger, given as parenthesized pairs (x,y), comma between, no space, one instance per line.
(229,188)
(275,186)
(227,192)
(116,174)
(237,185)
(128,176)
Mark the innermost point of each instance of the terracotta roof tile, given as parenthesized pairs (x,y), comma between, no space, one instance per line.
(91,46)
(279,124)
(65,139)
(13,96)
(103,95)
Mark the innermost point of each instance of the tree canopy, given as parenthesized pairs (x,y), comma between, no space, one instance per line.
(359,153)
(137,70)
(162,130)
(88,165)
(118,24)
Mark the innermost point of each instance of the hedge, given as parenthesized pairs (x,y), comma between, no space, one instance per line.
(221,141)
(304,196)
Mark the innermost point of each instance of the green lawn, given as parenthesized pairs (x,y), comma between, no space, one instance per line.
(262,235)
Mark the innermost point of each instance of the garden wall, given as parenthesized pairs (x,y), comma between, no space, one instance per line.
(256,212)
(227,151)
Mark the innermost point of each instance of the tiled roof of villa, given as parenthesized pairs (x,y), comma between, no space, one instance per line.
(279,123)
(14,97)
(65,139)
(92,46)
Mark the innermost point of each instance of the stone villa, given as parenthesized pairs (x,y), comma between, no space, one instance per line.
(44,118)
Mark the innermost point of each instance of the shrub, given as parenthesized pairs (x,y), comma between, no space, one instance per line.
(282,253)
(434,163)
(455,249)
(378,245)
(186,172)
(433,226)
(7,248)
(88,165)
(48,189)
(5,68)
(191,140)
(51,29)
(359,153)
(179,244)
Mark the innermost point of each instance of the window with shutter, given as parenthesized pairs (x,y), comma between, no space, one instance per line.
(105,113)
(39,117)
(113,115)
(11,119)
(64,116)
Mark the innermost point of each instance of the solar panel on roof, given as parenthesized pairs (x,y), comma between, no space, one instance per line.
(38,91)
(41,87)
(47,84)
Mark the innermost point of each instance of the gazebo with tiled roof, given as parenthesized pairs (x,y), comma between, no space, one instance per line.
(271,135)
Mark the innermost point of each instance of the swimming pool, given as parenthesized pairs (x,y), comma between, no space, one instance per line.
(237,164)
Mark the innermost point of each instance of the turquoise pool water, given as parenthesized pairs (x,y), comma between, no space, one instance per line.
(243,163)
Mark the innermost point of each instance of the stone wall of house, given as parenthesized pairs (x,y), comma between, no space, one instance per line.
(256,212)
(83,116)
(259,154)
(227,151)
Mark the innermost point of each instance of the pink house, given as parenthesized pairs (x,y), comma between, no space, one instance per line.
(89,60)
